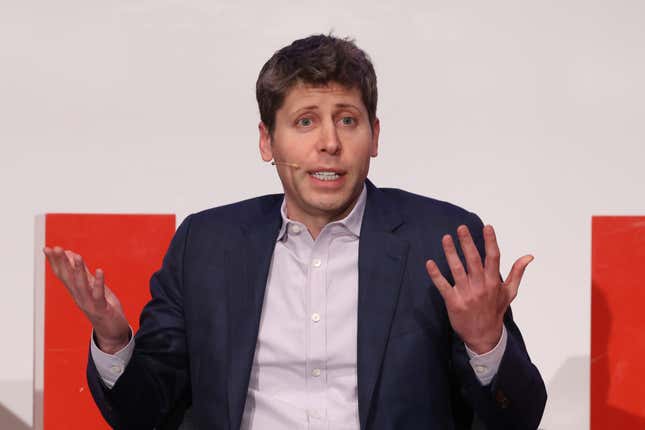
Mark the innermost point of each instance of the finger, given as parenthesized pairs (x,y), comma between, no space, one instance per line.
(444,287)
(59,264)
(64,269)
(491,266)
(456,268)
(515,275)
(53,261)
(471,255)
(98,286)
(80,278)
(49,254)
(70,256)
(62,255)
(90,276)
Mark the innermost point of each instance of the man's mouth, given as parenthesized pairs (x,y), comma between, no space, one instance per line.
(325,175)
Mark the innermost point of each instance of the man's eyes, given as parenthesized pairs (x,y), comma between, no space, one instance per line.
(305,122)
(348,120)
(308,122)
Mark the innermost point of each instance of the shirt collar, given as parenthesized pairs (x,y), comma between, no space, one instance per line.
(351,222)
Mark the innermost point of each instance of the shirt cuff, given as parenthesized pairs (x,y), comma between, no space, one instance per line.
(111,366)
(486,365)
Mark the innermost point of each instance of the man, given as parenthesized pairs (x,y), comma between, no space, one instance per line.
(336,305)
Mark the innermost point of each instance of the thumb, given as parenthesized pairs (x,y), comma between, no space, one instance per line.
(98,285)
(515,276)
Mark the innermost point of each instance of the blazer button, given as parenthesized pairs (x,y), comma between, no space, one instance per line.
(502,400)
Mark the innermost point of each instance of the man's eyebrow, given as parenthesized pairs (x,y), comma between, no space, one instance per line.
(347,105)
(311,107)
(337,105)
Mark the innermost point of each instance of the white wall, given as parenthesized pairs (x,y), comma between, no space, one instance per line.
(529,113)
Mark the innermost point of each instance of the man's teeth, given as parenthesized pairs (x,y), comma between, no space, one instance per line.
(326,176)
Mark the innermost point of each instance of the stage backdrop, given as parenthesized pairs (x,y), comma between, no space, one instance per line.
(528,113)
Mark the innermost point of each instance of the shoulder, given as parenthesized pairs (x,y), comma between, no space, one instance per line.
(425,219)
(416,208)
(234,215)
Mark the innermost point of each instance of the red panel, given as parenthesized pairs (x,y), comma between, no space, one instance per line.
(618,323)
(129,248)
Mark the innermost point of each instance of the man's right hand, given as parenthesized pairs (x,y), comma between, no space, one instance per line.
(93,297)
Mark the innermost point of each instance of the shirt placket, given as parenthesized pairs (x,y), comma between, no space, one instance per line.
(316,367)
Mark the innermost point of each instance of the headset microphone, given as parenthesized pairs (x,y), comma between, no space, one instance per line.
(294,165)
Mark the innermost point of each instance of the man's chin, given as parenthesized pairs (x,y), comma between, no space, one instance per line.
(334,209)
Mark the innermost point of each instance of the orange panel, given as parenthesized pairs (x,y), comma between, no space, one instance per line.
(129,248)
(618,323)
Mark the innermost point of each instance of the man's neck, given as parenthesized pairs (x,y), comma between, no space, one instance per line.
(315,222)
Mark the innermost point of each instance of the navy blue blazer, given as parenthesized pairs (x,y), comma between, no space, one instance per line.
(198,333)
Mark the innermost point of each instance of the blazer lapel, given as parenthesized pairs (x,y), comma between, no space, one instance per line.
(245,305)
(381,262)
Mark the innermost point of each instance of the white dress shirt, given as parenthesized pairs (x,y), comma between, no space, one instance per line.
(304,369)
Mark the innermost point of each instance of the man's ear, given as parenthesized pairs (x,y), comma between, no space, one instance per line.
(266,151)
(376,129)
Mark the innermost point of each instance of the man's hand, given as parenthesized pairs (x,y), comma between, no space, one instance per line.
(93,297)
(479,299)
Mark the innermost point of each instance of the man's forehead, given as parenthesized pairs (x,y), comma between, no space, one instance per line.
(304,93)
(323,86)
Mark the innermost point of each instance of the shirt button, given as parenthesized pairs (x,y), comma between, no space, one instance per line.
(316,262)
(481,369)
(116,369)
(315,372)
(295,229)
(315,317)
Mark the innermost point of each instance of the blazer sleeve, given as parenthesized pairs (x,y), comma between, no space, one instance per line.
(516,397)
(155,383)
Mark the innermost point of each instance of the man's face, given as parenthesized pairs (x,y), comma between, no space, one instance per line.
(326,132)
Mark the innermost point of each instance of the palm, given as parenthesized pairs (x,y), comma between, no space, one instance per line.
(477,302)
(92,296)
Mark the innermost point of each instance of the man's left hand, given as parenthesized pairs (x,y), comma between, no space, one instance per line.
(477,302)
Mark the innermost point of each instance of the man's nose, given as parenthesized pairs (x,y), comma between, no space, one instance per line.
(329,140)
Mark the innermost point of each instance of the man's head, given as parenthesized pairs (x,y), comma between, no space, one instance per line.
(317,101)
(316,61)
